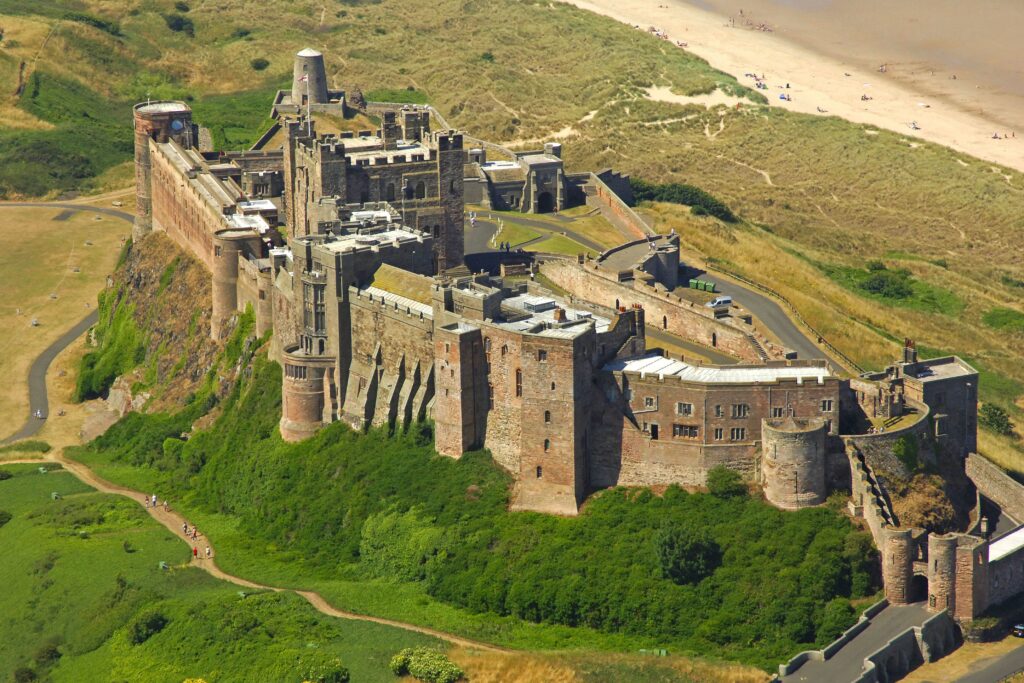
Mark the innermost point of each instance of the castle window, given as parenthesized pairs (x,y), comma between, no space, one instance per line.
(504,349)
(389,192)
(547,417)
(648,401)
(685,431)
(540,471)
(447,347)
(552,386)
(718,433)
(437,231)
(519,382)
(542,355)
(737,434)
(654,432)
(490,396)
(421,190)
(776,412)
(547,445)
(451,186)
(216,250)
(684,409)
(718,411)
(740,410)
(826,405)
(263,295)
(487,344)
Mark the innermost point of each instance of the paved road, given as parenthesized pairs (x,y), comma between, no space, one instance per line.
(474,245)
(124,215)
(1004,667)
(37,399)
(771,315)
(846,665)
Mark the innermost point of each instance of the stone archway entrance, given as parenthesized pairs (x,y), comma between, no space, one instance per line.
(545,202)
(918,588)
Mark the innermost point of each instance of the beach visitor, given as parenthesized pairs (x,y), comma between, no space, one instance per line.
(208,552)
(195,552)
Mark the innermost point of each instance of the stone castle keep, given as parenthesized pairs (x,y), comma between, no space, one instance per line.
(350,247)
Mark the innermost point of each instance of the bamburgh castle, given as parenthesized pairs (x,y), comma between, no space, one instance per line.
(350,247)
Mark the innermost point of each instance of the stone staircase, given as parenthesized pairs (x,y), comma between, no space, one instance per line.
(761,353)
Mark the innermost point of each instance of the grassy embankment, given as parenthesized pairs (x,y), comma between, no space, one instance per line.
(86,599)
(395,530)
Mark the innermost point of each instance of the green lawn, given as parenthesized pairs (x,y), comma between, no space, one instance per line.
(80,572)
(515,234)
(559,244)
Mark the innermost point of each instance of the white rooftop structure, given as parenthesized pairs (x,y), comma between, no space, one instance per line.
(542,312)
(375,239)
(257,205)
(1006,545)
(403,303)
(654,364)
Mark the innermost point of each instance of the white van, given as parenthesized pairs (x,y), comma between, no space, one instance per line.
(719,301)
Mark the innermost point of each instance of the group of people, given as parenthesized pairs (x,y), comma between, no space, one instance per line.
(658,33)
(151,502)
(504,246)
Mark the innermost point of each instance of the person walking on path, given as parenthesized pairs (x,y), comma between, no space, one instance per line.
(195,553)
(208,553)
(154,500)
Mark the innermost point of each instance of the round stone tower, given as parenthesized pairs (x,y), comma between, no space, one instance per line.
(310,77)
(897,564)
(793,462)
(942,572)
(302,393)
(227,245)
(160,121)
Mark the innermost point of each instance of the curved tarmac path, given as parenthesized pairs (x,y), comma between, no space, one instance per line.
(174,521)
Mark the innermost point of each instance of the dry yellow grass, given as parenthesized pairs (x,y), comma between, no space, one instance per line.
(523,667)
(968,658)
(38,260)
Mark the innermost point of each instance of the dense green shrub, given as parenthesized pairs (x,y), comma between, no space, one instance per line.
(259,64)
(725,483)
(701,202)
(995,418)
(180,24)
(147,625)
(425,664)
(5,475)
(29,446)
(905,450)
(891,284)
(687,554)
(4,517)
(120,348)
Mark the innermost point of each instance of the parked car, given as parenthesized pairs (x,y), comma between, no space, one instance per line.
(719,301)
(1018,630)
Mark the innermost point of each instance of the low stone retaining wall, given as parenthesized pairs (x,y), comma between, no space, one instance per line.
(934,639)
(837,644)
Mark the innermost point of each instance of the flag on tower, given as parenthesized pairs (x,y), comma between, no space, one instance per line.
(304,78)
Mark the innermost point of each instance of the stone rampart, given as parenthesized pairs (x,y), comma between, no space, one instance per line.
(607,197)
(829,651)
(935,638)
(1006,576)
(997,485)
(681,318)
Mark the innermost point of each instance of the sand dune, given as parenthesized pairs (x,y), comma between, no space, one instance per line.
(823,84)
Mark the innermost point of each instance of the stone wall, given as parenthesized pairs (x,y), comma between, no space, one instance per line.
(1006,577)
(877,449)
(604,195)
(181,212)
(683,318)
(996,485)
(934,639)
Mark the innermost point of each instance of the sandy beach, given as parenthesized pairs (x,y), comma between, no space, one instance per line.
(829,54)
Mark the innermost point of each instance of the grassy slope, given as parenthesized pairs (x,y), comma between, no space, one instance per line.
(60,571)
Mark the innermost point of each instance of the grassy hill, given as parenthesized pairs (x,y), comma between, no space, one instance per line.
(86,600)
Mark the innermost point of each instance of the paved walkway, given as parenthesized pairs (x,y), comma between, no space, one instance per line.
(174,521)
(847,664)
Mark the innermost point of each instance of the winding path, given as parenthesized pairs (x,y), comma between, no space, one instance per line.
(174,521)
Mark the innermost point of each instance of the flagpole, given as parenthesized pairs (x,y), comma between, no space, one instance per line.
(309,114)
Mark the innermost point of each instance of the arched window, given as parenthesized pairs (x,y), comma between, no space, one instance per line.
(547,417)
(664,322)
(487,344)
(519,382)
(540,471)
(451,186)
(552,386)
(547,445)
(421,190)
(321,347)
(389,193)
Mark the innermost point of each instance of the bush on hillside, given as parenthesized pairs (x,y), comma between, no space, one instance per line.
(725,483)
(5,475)
(701,202)
(995,418)
(4,517)
(425,664)
(892,284)
(259,64)
(180,24)
(687,554)
(146,626)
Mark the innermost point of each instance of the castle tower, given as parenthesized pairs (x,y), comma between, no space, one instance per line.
(302,393)
(310,77)
(227,246)
(898,565)
(451,159)
(942,572)
(793,462)
(160,121)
